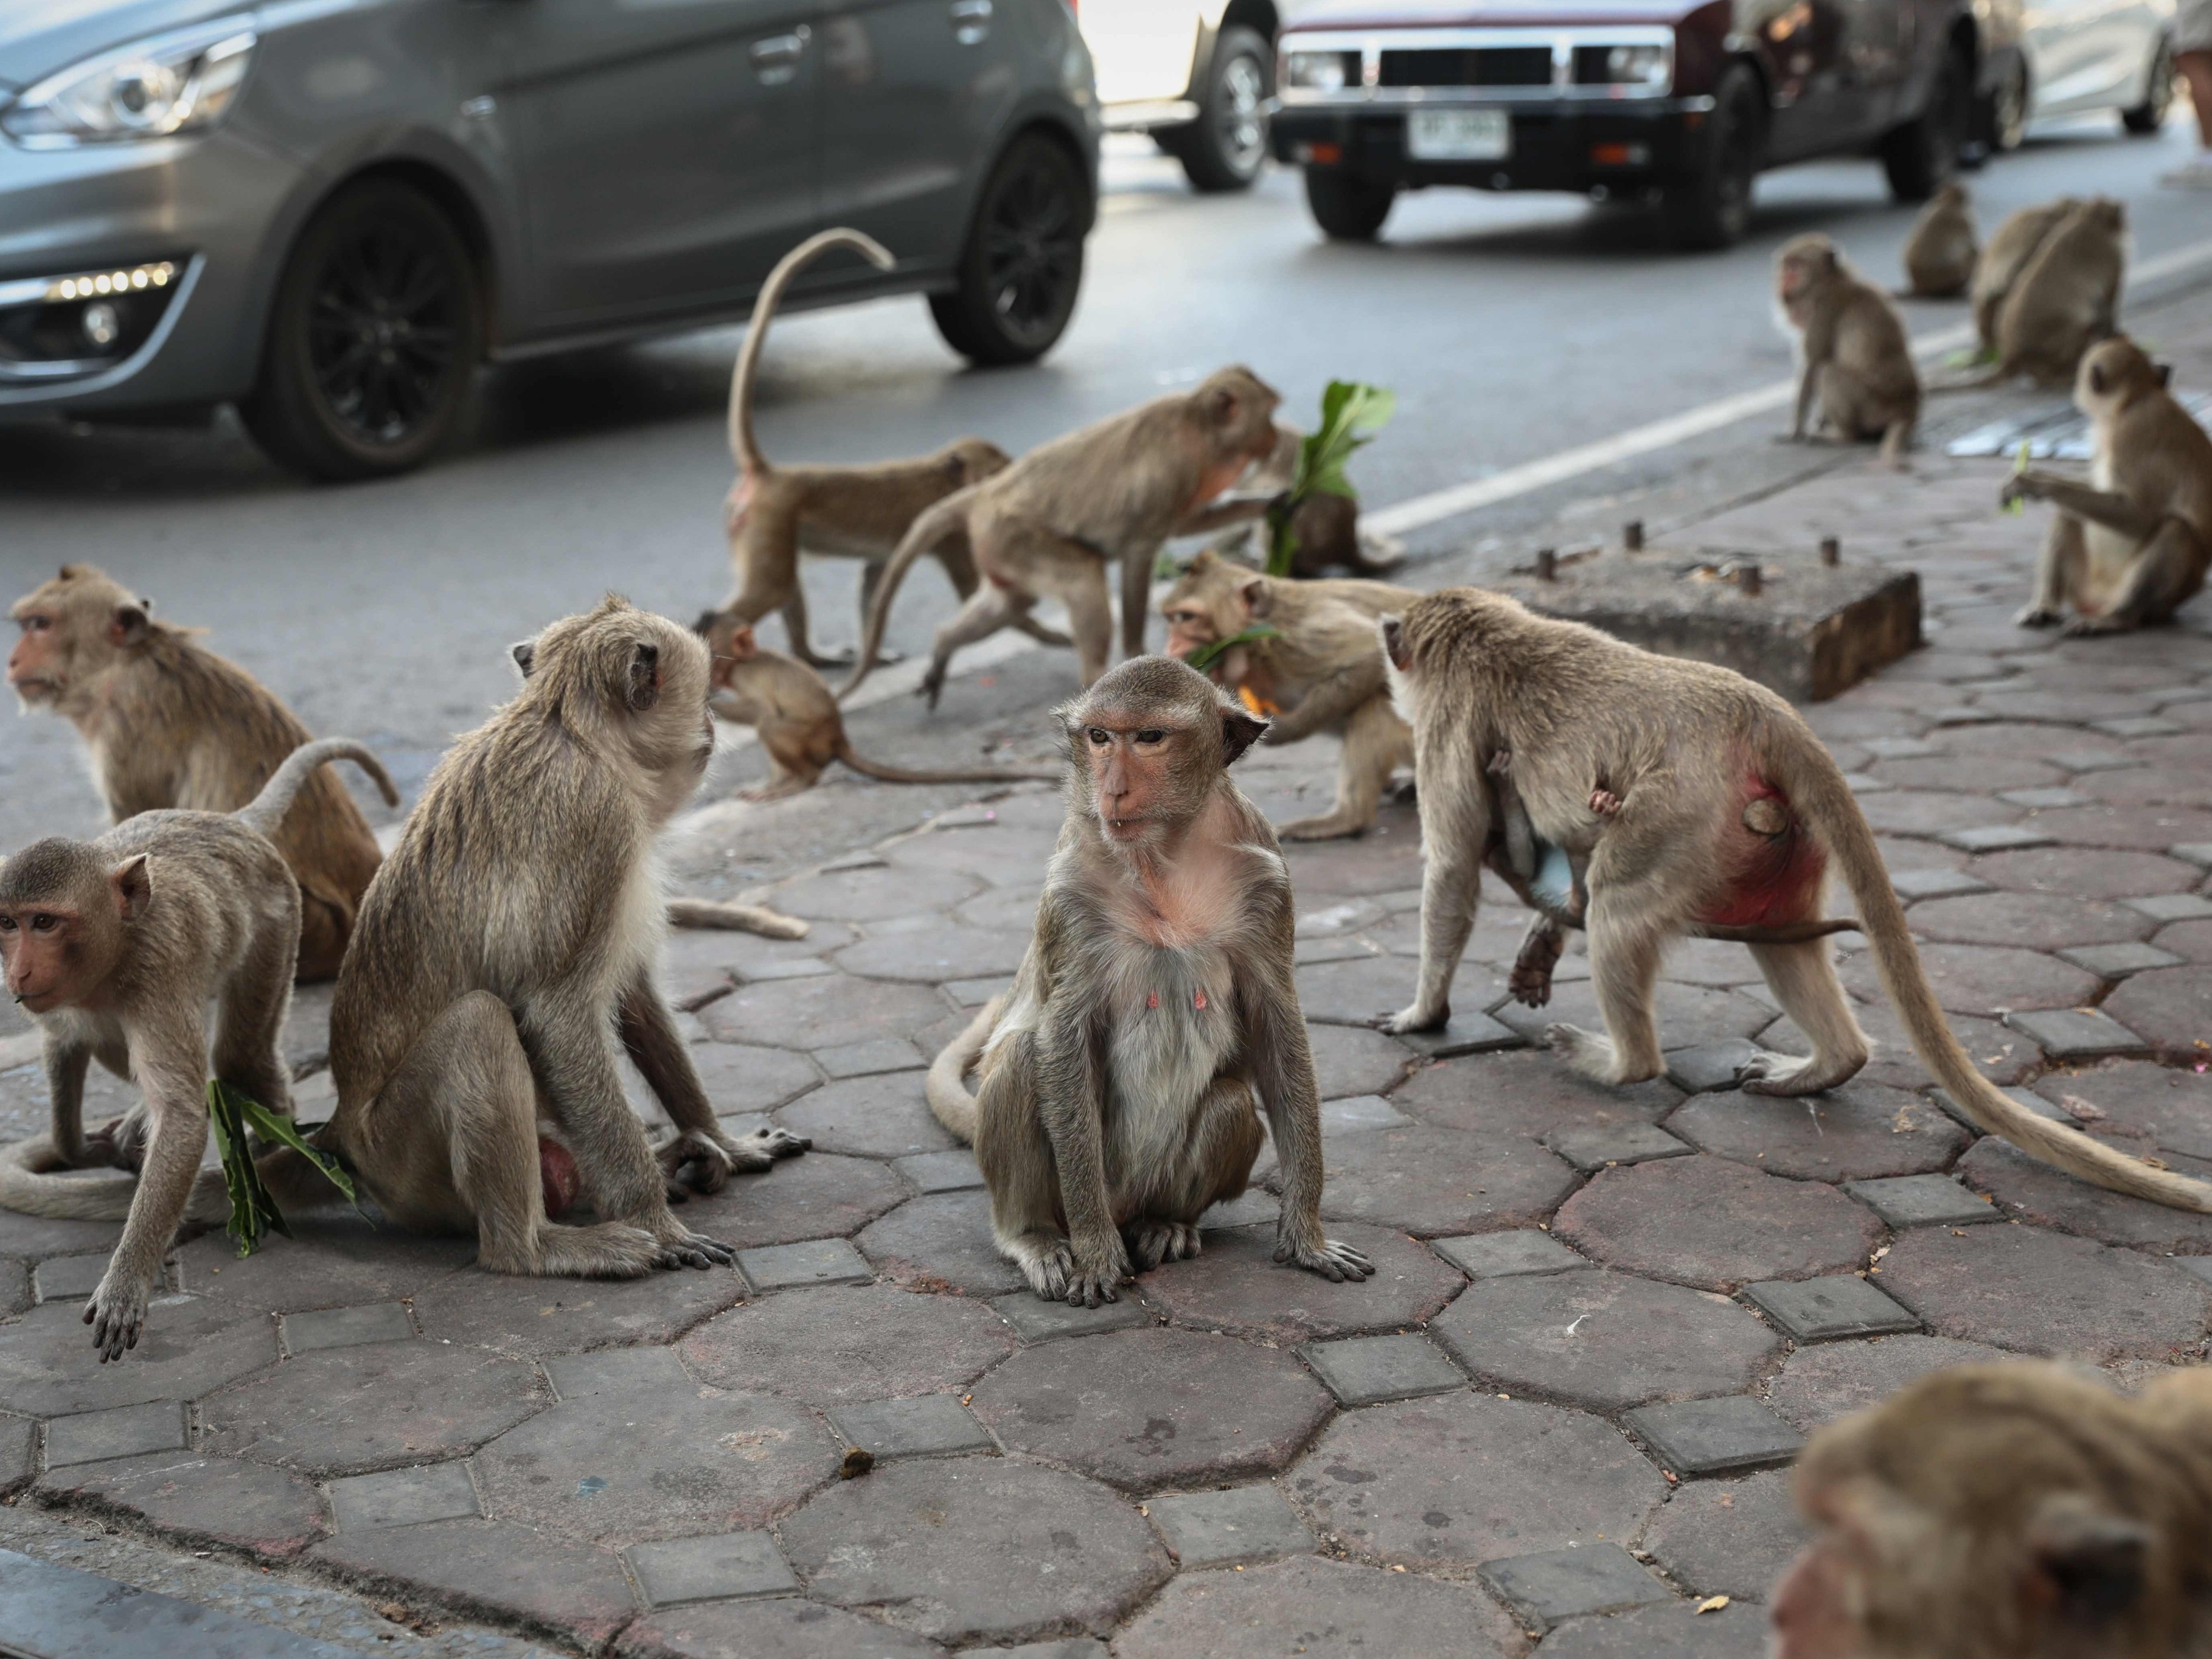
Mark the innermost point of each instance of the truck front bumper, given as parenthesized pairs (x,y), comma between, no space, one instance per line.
(1578,145)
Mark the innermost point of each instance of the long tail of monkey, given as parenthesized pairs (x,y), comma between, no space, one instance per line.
(922,536)
(744,450)
(883,773)
(29,1187)
(736,918)
(1817,789)
(945,1088)
(265,813)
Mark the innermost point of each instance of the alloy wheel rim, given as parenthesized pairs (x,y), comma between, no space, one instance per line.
(381,333)
(1032,248)
(1244,128)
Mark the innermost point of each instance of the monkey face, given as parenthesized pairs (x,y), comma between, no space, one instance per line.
(63,920)
(1134,759)
(2113,372)
(36,670)
(1801,263)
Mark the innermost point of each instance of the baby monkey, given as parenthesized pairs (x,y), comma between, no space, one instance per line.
(1156,1013)
(1852,350)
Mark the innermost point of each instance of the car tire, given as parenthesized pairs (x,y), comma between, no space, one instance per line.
(372,340)
(1347,207)
(1022,267)
(1227,146)
(1921,157)
(1711,208)
(2147,117)
(2004,123)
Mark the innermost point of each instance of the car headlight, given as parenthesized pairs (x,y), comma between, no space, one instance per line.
(1320,71)
(170,83)
(1641,66)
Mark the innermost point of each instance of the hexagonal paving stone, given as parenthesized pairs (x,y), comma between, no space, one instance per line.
(1666,1631)
(832,1011)
(861,894)
(1529,1095)
(2042,1292)
(942,1243)
(742,1077)
(2103,873)
(1353,991)
(1715,1225)
(820,1196)
(1308,1604)
(2128,826)
(2171,1104)
(2170,1008)
(1985,980)
(1603,1341)
(331,1260)
(1428,1181)
(880,1116)
(1852,1133)
(1149,1408)
(785,1628)
(1348,1060)
(224,1500)
(538,1316)
(191,1346)
(654,1462)
(1728,1537)
(1818,1385)
(342,1411)
(2036,1192)
(1999,1053)
(508,1570)
(2038,921)
(849,1343)
(942,952)
(971,1548)
(1235,1285)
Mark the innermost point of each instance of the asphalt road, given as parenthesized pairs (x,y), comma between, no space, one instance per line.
(1511,327)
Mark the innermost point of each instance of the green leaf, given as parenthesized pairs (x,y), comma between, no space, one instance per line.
(1206,655)
(1352,413)
(2016,507)
(253,1212)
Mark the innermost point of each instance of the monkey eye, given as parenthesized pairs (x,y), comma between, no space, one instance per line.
(7,923)
(42,923)
(37,624)
(1099,736)
(1151,735)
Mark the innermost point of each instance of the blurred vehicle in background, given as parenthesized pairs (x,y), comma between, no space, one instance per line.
(331,214)
(1195,74)
(2084,56)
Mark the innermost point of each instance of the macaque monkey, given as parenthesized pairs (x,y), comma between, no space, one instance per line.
(169,724)
(796,718)
(1156,1013)
(2128,548)
(1850,349)
(116,946)
(1322,670)
(851,511)
(1686,750)
(2010,250)
(1941,251)
(1325,532)
(2067,296)
(1050,523)
(2015,1511)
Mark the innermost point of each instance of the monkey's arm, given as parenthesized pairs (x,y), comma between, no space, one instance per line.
(1221,512)
(1331,701)
(1804,404)
(656,1048)
(2099,506)
(168,1057)
(1071,1101)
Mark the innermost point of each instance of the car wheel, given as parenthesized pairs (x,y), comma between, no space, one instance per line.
(374,339)
(1921,157)
(1347,207)
(2006,123)
(1712,208)
(1225,148)
(2150,116)
(1023,266)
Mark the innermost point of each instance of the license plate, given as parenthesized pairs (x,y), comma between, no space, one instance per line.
(1459,135)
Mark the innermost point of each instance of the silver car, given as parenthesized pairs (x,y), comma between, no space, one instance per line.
(329,211)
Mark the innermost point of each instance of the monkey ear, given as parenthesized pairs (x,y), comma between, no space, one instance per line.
(1221,404)
(1204,560)
(525,652)
(2164,373)
(134,887)
(128,626)
(2097,379)
(1259,598)
(644,675)
(704,628)
(2088,1567)
(1239,732)
(1393,630)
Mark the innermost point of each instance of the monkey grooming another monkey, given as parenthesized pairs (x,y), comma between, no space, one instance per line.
(2015,1511)
(797,720)
(2001,263)
(2129,548)
(2065,298)
(169,724)
(1850,347)
(1940,252)
(1322,666)
(116,946)
(1687,749)
(1155,1014)
(1050,524)
(851,511)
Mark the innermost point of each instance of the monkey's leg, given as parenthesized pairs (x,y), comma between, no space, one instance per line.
(783,780)
(326,924)
(1370,750)
(1541,947)
(1803,980)
(989,609)
(1017,1167)
(2167,571)
(121,1143)
(250,1022)
(1136,602)
(2058,572)
(66,1064)
(1215,1166)
(702,1156)
(798,637)
(1455,830)
(1623,955)
(170,1064)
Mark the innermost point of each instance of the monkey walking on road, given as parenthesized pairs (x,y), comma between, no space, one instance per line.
(116,946)
(1704,764)
(1850,349)
(1155,1015)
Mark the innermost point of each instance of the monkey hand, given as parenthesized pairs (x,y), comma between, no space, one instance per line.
(120,1145)
(117,1312)
(1414,1018)
(702,1160)
(1604,803)
(2036,616)
(680,1247)
(1333,1262)
(2021,487)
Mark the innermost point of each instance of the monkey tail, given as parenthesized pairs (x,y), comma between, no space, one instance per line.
(931,527)
(1817,790)
(265,813)
(29,1185)
(885,774)
(947,1087)
(743,449)
(736,918)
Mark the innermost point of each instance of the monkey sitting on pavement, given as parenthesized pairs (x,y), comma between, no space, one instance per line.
(1050,524)
(1850,349)
(168,723)
(2065,298)
(1155,1014)
(1689,750)
(1940,252)
(2016,1511)
(2130,547)
(797,720)
(2001,263)
(116,946)
(1325,530)
(1321,665)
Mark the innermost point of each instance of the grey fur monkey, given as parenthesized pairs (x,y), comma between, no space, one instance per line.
(1940,252)
(1155,1014)
(116,946)
(1851,348)
(2010,250)
(2065,298)
(1686,750)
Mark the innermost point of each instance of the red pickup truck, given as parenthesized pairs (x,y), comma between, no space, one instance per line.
(1672,102)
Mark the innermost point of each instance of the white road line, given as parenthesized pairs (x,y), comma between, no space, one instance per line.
(1678,429)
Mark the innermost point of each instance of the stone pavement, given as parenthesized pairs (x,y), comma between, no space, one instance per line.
(1559,1414)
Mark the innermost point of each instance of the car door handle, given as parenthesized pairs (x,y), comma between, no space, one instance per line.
(972,21)
(775,60)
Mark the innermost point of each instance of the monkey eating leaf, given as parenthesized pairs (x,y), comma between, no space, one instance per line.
(253,1212)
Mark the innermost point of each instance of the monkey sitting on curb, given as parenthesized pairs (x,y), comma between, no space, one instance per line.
(168,723)
(797,720)
(115,947)
(2065,298)
(1321,665)
(2001,263)
(2015,1511)
(2130,547)
(1850,349)
(1941,252)
(1155,1015)
(1689,750)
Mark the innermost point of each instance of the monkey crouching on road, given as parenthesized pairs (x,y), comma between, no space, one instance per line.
(1850,349)
(1940,252)
(1155,1015)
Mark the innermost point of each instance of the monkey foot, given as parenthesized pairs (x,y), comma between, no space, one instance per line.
(1530,982)
(679,1247)
(1151,1241)
(117,1146)
(608,1250)
(117,1312)
(1785,1076)
(2035,615)
(1595,1056)
(1330,827)
(1411,1019)
(2082,628)
(1333,1260)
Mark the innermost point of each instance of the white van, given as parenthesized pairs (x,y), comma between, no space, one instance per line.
(1195,74)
